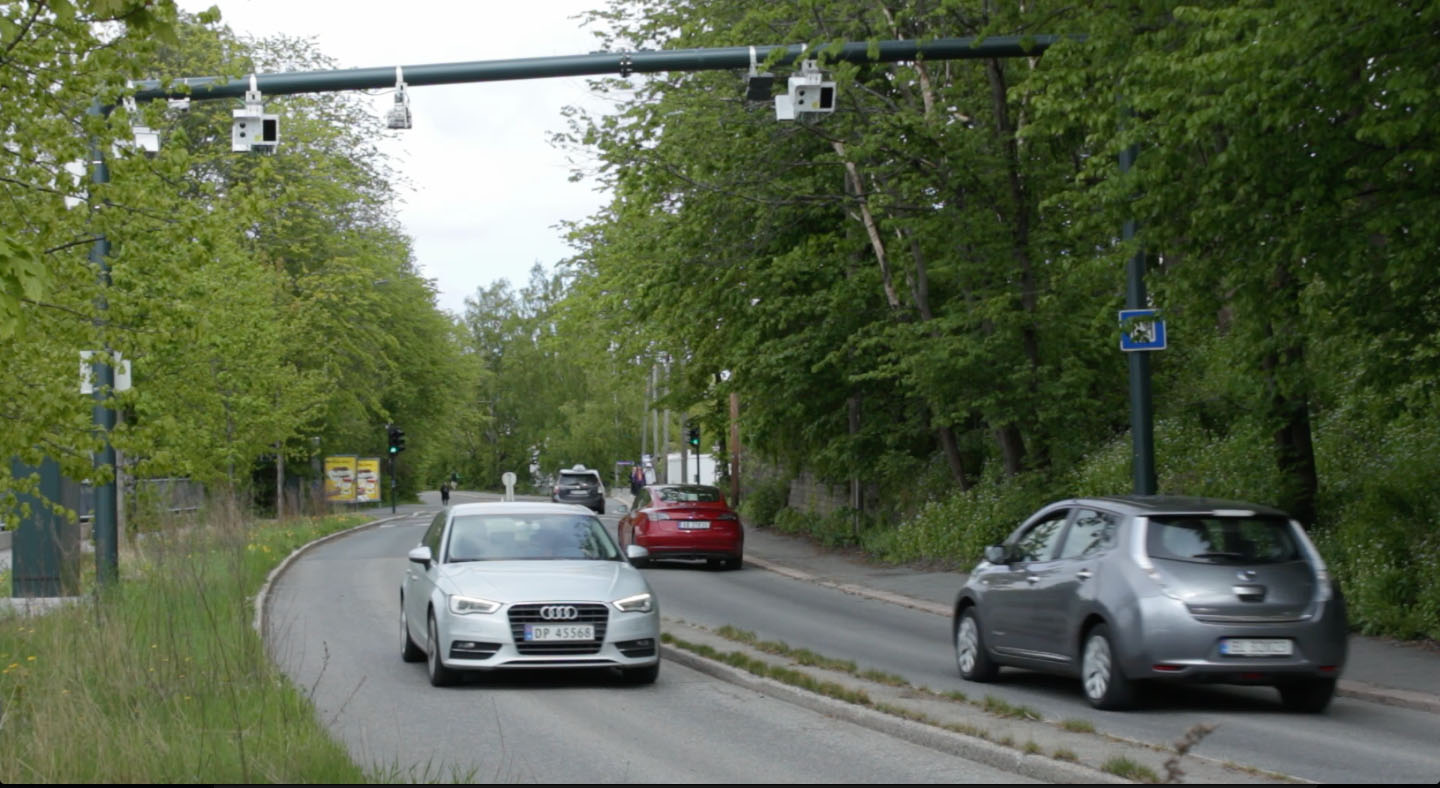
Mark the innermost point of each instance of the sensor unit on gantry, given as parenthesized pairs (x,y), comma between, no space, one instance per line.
(254,130)
(809,93)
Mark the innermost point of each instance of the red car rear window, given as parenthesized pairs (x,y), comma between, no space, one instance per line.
(691,494)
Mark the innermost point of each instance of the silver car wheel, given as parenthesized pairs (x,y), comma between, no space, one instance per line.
(409,651)
(440,676)
(967,645)
(1096,667)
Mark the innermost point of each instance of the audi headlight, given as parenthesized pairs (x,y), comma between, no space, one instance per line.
(640,603)
(465,605)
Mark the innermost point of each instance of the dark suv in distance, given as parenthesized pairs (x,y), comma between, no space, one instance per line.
(1121,591)
(580,485)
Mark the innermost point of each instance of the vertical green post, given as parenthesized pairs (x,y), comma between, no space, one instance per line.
(107,556)
(46,547)
(1142,415)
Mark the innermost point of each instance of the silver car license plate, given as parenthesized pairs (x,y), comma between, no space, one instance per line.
(559,631)
(1257,647)
(694,525)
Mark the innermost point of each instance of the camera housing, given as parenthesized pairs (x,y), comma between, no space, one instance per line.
(257,132)
(254,130)
(809,93)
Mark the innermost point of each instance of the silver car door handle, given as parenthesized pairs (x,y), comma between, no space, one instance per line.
(1083,574)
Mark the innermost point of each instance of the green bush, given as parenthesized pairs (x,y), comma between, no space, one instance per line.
(1384,540)
(955,530)
(835,529)
(762,503)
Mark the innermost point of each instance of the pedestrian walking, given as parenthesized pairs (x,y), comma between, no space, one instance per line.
(444,493)
(637,480)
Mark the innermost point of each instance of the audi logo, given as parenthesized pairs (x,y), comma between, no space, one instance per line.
(559,612)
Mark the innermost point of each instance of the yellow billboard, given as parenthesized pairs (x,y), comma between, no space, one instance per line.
(367,480)
(340,478)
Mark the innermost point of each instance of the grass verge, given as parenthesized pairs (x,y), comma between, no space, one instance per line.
(161,679)
(1121,766)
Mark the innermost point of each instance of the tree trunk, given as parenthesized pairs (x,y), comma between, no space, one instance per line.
(1011,444)
(951,447)
(279,480)
(872,230)
(853,411)
(1012,448)
(1288,383)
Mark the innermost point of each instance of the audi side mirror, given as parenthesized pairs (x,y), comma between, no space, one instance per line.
(421,555)
(996,554)
(636,552)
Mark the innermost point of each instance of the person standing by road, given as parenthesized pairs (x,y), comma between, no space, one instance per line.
(444,493)
(637,480)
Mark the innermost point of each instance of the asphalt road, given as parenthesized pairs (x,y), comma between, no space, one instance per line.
(1354,742)
(342,597)
(332,626)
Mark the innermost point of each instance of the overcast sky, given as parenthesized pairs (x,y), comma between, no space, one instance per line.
(486,187)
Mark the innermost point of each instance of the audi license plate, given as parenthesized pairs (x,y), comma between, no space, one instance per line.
(694,525)
(1256,647)
(559,631)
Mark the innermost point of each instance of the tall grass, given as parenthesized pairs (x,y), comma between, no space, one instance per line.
(162,679)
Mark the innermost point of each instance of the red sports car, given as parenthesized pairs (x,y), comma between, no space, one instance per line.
(689,521)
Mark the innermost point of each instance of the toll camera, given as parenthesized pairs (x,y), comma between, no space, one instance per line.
(254,130)
(399,115)
(809,93)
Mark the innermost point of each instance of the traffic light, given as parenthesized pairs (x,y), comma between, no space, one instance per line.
(397,440)
(694,436)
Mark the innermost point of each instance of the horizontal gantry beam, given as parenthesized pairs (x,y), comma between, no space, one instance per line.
(595,64)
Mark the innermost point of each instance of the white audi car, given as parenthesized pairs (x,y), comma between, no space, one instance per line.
(526,585)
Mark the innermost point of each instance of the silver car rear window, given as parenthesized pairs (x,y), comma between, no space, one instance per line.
(1222,540)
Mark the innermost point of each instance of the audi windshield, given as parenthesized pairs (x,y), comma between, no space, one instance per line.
(531,537)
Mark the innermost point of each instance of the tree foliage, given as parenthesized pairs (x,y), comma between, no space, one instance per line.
(270,305)
(928,278)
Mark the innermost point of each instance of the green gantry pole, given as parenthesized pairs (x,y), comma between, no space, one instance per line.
(107,542)
(1142,412)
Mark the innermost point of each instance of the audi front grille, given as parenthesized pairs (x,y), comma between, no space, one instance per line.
(586,613)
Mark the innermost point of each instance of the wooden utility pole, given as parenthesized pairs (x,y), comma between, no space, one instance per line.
(734,448)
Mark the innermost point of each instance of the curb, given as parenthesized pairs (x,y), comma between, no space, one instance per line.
(257,622)
(1349,688)
(1037,767)
(1406,699)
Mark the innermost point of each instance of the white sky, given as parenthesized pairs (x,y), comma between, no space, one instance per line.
(486,188)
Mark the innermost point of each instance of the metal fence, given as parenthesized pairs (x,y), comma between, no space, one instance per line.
(167,495)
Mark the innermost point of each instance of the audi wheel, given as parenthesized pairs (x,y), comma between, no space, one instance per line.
(440,676)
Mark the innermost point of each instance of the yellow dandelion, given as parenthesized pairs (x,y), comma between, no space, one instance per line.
(30,658)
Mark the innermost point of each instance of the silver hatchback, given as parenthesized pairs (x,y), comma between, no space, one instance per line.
(1118,591)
